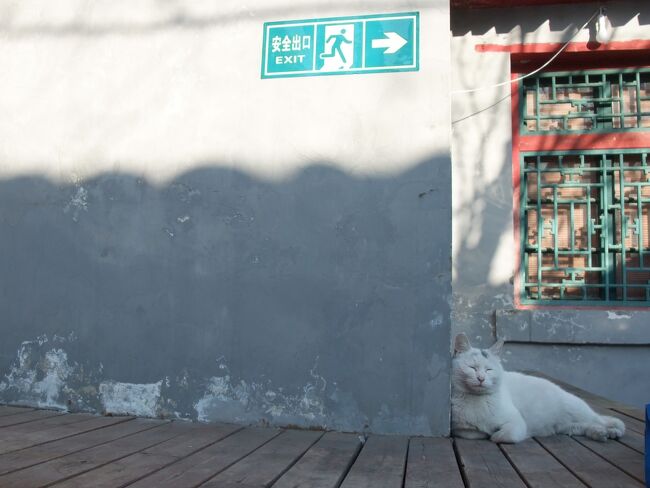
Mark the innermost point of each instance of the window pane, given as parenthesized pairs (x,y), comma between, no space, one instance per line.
(603,100)
(586,219)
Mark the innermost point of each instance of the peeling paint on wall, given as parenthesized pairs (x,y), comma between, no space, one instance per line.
(617,316)
(77,203)
(57,371)
(244,401)
(39,380)
(309,405)
(140,399)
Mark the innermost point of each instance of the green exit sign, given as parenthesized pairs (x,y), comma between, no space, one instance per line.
(341,45)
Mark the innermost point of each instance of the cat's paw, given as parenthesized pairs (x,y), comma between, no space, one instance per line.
(597,432)
(508,436)
(615,427)
(614,433)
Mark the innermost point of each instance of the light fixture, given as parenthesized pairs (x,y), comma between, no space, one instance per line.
(603,27)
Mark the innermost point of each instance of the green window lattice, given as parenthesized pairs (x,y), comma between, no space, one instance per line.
(594,101)
(585,227)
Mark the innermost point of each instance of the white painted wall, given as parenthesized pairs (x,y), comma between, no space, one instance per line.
(158,87)
(483,242)
(218,243)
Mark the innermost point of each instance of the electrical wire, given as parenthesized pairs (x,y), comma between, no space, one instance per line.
(514,80)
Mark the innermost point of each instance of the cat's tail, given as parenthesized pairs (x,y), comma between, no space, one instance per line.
(604,428)
(585,421)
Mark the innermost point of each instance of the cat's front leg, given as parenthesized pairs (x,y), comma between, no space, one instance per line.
(511,432)
(469,434)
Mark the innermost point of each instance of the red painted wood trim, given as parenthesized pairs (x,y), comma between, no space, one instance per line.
(621,308)
(567,142)
(525,63)
(573,47)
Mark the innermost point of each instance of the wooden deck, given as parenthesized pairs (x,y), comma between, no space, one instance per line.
(47,448)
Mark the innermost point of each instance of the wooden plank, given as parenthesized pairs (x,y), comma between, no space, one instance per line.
(203,465)
(43,424)
(265,465)
(9,410)
(619,455)
(635,413)
(325,464)
(538,467)
(380,464)
(75,464)
(633,440)
(45,452)
(31,416)
(21,440)
(486,466)
(140,464)
(432,464)
(590,468)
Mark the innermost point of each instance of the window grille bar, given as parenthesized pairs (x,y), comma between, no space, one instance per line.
(623,224)
(571,103)
(572,226)
(537,110)
(639,212)
(637,88)
(589,228)
(583,226)
(605,93)
(523,236)
(540,230)
(554,226)
(621,105)
(610,230)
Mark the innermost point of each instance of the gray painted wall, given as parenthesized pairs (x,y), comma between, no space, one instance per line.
(180,238)
(601,350)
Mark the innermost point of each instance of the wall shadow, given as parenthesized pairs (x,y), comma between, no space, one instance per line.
(322,300)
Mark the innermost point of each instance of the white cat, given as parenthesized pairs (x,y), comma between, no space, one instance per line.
(488,402)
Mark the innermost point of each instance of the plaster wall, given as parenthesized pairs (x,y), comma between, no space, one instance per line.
(600,350)
(181,238)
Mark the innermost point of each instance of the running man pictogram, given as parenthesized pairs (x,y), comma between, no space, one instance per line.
(336,45)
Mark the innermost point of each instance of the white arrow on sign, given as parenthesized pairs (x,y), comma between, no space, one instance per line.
(393,42)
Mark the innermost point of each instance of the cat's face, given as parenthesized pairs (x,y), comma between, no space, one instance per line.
(476,371)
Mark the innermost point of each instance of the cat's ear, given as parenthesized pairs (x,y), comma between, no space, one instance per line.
(496,347)
(461,343)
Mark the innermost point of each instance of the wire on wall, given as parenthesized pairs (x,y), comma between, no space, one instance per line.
(514,80)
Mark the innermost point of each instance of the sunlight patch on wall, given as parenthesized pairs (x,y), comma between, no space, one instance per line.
(158,100)
(501,268)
